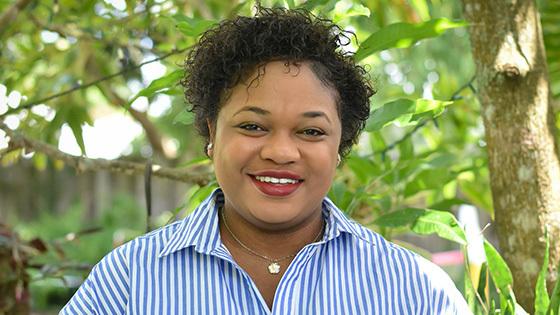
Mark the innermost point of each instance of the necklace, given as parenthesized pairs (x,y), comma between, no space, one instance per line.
(273,266)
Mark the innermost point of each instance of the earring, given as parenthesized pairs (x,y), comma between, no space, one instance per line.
(209,148)
(338,159)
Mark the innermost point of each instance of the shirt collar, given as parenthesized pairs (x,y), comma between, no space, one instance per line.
(200,229)
(338,223)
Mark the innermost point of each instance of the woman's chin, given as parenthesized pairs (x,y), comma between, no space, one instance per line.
(273,218)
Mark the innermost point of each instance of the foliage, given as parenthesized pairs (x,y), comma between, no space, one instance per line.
(422,153)
(14,281)
(64,247)
(402,35)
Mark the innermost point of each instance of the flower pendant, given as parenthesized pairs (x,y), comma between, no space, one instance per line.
(274,268)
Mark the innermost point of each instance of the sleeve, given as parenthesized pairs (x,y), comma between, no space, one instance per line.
(106,289)
(445,298)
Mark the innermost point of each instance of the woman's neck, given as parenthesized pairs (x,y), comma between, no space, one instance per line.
(273,241)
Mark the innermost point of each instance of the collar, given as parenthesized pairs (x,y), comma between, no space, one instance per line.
(200,229)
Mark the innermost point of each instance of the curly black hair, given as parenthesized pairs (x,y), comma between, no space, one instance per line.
(226,53)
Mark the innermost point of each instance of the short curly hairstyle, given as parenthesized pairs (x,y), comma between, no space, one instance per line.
(226,53)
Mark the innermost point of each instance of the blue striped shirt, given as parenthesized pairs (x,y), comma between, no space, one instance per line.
(184,268)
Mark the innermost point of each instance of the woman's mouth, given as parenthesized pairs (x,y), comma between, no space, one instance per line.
(275,180)
(277,186)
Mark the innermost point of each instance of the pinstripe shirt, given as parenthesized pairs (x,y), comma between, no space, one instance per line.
(184,268)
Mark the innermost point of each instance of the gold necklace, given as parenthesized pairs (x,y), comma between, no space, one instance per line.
(273,266)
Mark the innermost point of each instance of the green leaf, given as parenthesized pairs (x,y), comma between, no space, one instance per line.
(340,194)
(197,161)
(428,172)
(447,204)
(499,270)
(554,306)
(406,149)
(363,168)
(425,105)
(193,27)
(399,218)
(343,12)
(428,180)
(425,221)
(442,223)
(312,4)
(401,35)
(291,4)
(401,111)
(442,160)
(198,195)
(78,135)
(76,116)
(482,281)
(166,82)
(389,112)
(469,291)
(184,117)
(542,300)
(422,9)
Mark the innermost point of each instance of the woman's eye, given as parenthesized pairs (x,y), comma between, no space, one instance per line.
(251,127)
(313,132)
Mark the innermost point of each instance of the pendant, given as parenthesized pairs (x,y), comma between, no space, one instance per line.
(274,268)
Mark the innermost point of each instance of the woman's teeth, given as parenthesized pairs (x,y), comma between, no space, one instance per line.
(274,180)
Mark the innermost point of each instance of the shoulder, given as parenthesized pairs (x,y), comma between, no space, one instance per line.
(406,272)
(142,247)
(151,243)
(106,289)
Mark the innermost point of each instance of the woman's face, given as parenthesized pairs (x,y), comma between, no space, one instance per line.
(275,146)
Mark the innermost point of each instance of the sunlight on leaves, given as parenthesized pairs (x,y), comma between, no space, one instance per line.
(164,83)
(425,222)
(402,35)
(402,112)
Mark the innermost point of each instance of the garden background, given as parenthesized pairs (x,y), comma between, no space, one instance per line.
(96,145)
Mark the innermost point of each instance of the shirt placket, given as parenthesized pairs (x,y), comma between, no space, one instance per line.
(223,253)
(288,279)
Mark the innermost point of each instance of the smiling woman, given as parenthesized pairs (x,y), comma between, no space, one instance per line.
(279,104)
(275,147)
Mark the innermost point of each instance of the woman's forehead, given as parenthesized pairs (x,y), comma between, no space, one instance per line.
(280,85)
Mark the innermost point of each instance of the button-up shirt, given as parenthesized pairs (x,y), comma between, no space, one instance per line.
(184,268)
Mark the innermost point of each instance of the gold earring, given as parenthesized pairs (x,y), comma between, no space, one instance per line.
(338,159)
(209,148)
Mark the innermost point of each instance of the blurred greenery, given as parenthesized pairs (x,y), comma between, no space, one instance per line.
(422,155)
(74,244)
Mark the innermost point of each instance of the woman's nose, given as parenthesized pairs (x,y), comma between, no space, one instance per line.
(281,149)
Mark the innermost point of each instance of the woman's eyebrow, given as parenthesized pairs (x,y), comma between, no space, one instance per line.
(254,109)
(315,114)
(261,111)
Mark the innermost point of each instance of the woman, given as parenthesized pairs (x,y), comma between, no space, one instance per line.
(279,104)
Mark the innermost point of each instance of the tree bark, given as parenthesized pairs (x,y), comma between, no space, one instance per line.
(508,51)
(193,174)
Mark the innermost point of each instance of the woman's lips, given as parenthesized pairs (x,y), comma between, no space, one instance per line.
(276,190)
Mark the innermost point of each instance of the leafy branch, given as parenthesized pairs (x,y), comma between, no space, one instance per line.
(87,85)
(454,97)
(82,164)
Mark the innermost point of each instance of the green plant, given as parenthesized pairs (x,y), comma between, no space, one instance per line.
(423,150)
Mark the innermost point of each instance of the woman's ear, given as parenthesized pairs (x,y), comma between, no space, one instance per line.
(211,132)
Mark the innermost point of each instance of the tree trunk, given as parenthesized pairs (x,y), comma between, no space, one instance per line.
(511,68)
